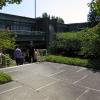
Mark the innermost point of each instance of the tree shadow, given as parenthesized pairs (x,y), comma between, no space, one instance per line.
(94,65)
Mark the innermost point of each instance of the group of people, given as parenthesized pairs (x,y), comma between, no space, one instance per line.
(28,56)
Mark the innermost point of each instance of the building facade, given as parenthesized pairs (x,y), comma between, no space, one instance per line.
(27,31)
(37,33)
(73,27)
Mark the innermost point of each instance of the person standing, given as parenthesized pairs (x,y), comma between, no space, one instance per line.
(18,56)
(35,55)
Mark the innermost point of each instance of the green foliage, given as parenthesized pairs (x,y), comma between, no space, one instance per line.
(95,6)
(66,43)
(4,78)
(85,43)
(5,2)
(42,52)
(6,40)
(58,19)
(92,17)
(45,15)
(94,11)
(67,60)
(94,64)
(6,60)
(90,42)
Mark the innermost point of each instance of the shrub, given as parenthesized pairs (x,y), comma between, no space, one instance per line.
(6,60)
(90,42)
(6,40)
(66,44)
(4,78)
(85,43)
(67,60)
(42,52)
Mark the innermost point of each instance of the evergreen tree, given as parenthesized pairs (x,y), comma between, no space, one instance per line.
(58,19)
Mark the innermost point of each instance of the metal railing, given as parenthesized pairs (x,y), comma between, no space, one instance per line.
(24,32)
(23,35)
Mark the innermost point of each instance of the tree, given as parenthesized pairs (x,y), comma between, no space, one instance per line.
(94,11)
(95,6)
(92,17)
(66,44)
(59,20)
(6,40)
(5,2)
(45,15)
(90,42)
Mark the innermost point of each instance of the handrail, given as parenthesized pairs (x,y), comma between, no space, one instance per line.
(24,32)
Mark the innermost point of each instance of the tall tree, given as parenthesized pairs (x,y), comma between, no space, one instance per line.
(94,11)
(45,15)
(5,2)
(95,6)
(92,17)
(59,20)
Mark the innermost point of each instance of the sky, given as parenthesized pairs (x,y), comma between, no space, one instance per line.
(72,11)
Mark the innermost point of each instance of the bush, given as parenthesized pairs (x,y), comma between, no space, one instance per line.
(67,60)
(42,52)
(66,44)
(6,60)
(90,42)
(4,78)
(6,40)
(85,43)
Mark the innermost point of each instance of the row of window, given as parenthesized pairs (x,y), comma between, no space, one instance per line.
(15,26)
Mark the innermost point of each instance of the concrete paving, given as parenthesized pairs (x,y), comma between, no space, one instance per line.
(51,81)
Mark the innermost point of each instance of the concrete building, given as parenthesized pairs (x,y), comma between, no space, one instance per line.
(27,31)
(37,33)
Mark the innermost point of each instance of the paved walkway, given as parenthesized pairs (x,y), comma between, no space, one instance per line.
(51,81)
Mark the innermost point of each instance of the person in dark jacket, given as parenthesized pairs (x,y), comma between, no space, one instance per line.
(18,56)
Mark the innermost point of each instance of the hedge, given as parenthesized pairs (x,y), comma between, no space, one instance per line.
(67,60)
(4,78)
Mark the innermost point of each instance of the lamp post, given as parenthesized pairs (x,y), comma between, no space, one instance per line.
(35,8)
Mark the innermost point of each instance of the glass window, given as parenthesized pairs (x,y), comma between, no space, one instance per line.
(2,26)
